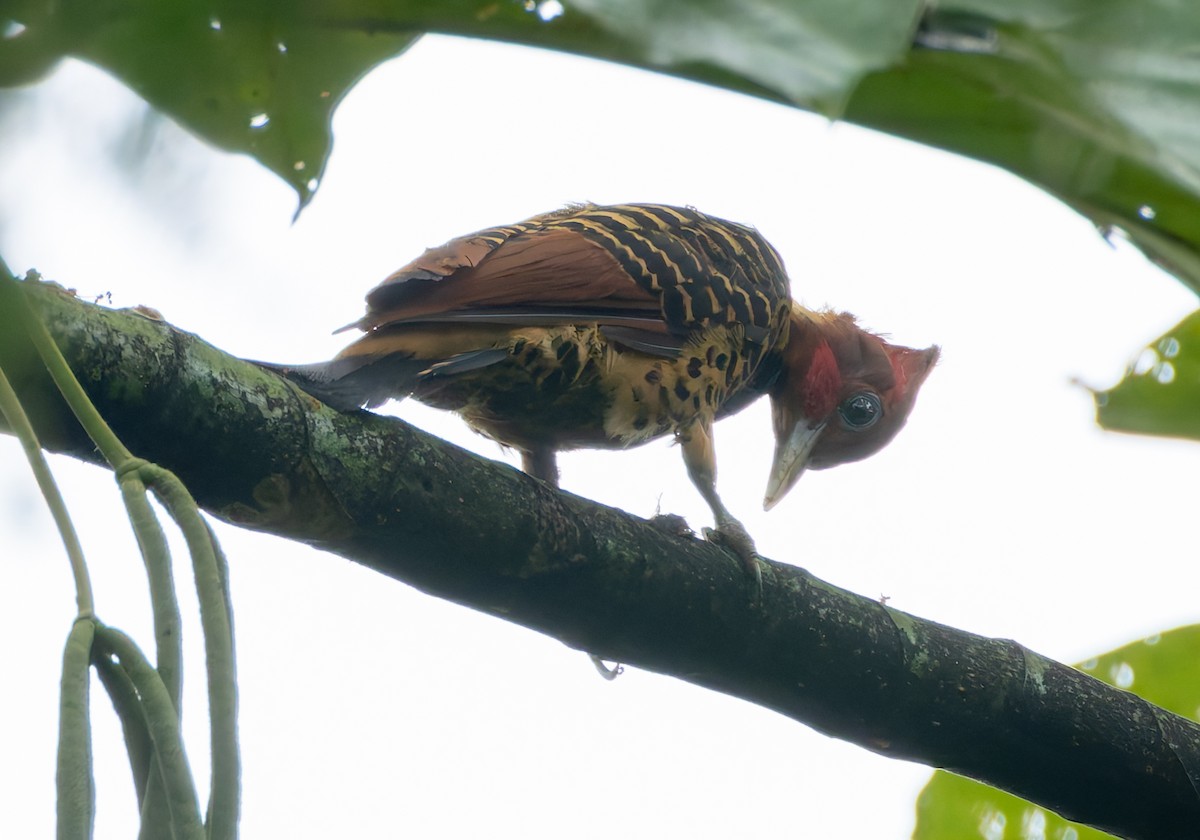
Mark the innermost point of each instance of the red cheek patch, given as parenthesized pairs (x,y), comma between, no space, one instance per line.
(822,383)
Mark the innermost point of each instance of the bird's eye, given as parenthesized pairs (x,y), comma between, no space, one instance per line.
(860,411)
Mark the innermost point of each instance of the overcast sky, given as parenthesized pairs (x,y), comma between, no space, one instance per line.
(371,710)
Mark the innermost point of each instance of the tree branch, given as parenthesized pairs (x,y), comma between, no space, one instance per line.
(257,452)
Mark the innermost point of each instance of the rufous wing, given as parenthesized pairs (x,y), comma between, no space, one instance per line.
(541,278)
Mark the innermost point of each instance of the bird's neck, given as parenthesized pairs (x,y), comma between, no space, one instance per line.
(805,362)
(808,327)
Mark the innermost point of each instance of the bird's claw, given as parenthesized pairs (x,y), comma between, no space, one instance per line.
(604,671)
(733,536)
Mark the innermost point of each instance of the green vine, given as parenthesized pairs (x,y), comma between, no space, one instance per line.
(147,698)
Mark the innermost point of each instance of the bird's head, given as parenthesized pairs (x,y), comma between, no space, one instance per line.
(841,394)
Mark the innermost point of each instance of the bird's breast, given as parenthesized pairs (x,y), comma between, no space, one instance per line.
(569,387)
(651,396)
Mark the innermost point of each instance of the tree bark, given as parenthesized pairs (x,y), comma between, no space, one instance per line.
(257,452)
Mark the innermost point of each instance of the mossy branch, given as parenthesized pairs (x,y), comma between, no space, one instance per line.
(257,452)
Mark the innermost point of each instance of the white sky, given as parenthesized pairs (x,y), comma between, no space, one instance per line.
(371,710)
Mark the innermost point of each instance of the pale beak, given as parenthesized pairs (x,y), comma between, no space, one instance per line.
(791,457)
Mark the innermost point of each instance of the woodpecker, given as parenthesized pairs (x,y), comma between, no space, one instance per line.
(610,326)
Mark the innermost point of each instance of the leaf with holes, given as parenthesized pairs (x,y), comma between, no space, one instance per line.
(1160,394)
(257,76)
(264,77)
(1163,669)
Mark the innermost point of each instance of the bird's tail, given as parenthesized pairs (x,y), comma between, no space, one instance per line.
(355,381)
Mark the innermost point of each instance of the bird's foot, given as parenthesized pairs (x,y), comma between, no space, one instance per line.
(733,536)
(608,673)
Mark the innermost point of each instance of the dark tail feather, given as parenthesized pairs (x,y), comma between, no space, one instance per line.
(466,362)
(356,381)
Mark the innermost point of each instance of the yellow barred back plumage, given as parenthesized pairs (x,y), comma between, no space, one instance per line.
(706,271)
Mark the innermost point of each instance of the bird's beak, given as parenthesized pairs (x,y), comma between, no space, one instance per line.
(791,457)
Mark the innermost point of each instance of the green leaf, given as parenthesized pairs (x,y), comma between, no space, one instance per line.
(1160,394)
(1096,101)
(811,54)
(263,76)
(1163,669)
(260,76)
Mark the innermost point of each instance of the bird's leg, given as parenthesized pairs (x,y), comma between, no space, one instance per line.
(700,458)
(542,463)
